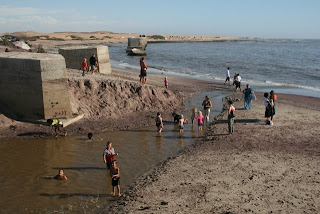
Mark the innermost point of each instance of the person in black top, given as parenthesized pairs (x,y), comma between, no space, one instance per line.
(93,62)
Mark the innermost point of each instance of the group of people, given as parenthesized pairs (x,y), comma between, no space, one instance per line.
(111,164)
(94,65)
(236,79)
(195,116)
(270,104)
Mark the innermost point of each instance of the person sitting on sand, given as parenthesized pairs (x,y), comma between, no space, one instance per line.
(108,155)
(159,122)
(115,178)
(57,126)
(61,175)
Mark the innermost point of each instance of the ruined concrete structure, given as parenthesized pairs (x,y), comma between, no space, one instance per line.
(137,46)
(34,85)
(74,57)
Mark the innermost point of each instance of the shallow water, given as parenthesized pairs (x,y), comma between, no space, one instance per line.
(27,167)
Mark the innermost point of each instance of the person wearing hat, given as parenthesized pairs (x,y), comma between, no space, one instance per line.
(56,125)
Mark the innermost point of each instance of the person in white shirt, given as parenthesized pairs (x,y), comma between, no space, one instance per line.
(227,76)
(238,82)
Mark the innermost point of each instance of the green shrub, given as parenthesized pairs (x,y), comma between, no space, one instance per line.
(157,37)
(55,38)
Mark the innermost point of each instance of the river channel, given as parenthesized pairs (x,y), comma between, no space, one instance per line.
(27,167)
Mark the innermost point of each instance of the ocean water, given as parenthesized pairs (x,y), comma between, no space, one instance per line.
(289,66)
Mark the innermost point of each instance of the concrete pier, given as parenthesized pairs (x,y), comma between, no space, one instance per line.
(137,46)
(74,57)
(34,85)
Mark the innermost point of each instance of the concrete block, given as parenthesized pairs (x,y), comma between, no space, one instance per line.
(34,85)
(137,46)
(74,57)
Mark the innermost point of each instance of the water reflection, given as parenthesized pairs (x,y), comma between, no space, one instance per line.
(28,166)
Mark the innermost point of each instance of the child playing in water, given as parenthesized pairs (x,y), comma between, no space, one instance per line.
(61,175)
(159,122)
(181,121)
(194,114)
(200,120)
(108,155)
(115,178)
(166,83)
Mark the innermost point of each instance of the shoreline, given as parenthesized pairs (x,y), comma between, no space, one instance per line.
(263,169)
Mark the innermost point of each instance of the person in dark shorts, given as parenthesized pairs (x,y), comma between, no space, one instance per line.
(115,178)
(159,122)
(93,62)
(143,71)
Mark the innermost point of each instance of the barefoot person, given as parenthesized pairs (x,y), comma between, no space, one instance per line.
(159,122)
(227,76)
(115,178)
(231,116)
(61,175)
(57,126)
(194,114)
(143,71)
(166,83)
(207,108)
(268,111)
(248,94)
(181,122)
(200,120)
(273,97)
(108,155)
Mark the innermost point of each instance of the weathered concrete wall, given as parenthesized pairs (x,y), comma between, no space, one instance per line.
(74,57)
(34,86)
(137,46)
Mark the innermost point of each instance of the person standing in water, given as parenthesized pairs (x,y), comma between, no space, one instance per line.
(115,178)
(159,122)
(227,76)
(61,175)
(108,155)
(207,104)
(181,122)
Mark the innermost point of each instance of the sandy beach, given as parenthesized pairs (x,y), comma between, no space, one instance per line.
(259,169)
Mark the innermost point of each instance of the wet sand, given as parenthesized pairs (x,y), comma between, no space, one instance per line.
(258,169)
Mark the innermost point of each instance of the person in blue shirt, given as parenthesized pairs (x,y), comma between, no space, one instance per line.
(248,95)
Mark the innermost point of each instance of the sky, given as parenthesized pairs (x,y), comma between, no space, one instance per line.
(245,18)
